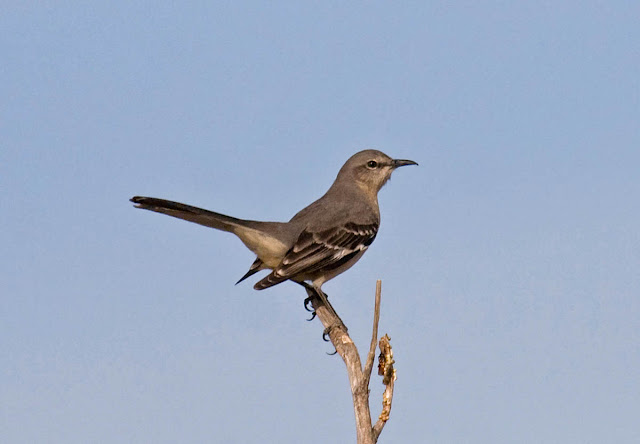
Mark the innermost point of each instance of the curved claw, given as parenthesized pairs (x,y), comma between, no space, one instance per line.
(307,301)
(325,338)
(313,316)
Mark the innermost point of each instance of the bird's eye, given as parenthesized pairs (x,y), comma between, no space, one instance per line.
(372,164)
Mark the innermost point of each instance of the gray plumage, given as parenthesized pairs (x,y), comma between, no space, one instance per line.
(319,242)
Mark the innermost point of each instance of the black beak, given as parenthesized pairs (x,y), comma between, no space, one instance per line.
(402,162)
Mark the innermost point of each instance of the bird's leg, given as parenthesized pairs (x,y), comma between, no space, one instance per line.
(307,301)
(311,294)
(314,292)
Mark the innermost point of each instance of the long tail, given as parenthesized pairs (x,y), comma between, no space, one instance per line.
(187,212)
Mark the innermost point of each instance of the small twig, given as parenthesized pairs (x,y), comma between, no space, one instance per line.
(368,366)
(388,373)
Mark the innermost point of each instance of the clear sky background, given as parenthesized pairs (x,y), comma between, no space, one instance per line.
(509,258)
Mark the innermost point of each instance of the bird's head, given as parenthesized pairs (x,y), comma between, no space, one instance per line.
(370,169)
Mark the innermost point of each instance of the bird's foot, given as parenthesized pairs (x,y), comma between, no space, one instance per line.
(323,299)
(327,331)
(326,337)
(325,334)
(307,301)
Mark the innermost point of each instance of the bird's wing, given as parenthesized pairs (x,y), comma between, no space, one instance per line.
(321,251)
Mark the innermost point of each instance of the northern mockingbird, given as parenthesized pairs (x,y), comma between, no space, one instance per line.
(321,241)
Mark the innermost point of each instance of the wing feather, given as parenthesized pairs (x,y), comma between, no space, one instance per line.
(324,250)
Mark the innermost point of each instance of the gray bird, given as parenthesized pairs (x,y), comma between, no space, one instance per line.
(321,241)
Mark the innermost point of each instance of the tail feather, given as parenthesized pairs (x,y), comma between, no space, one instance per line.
(255,267)
(188,212)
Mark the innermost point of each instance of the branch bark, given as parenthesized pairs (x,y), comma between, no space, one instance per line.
(388,373)
(359,377)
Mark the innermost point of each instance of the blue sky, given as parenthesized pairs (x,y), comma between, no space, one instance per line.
(509,258)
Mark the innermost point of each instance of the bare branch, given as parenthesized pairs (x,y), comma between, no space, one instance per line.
(374,336)
(388,373)
(359,377)
(349,353)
